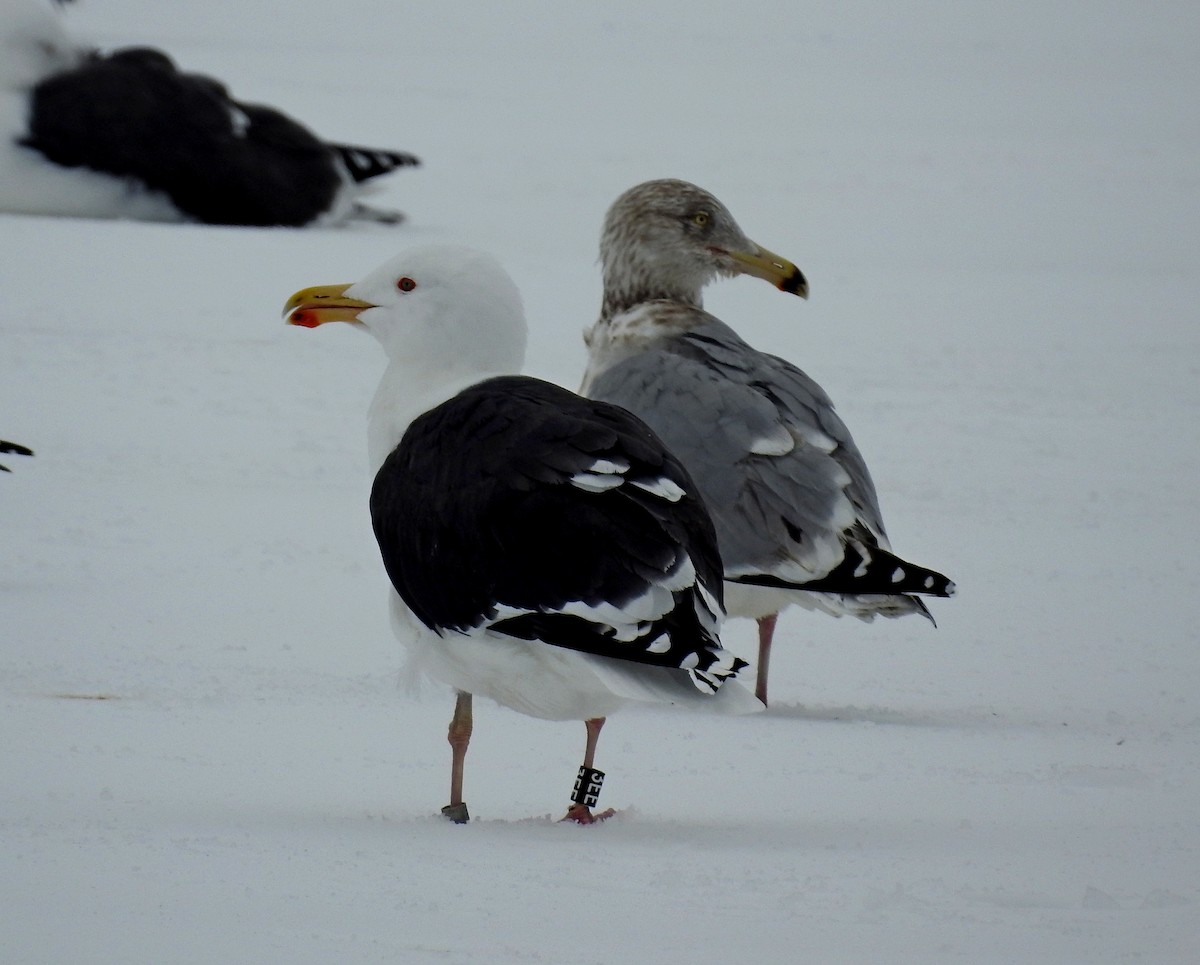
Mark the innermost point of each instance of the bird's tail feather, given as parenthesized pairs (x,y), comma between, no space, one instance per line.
(364,163)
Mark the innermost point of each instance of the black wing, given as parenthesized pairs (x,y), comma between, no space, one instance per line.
(13,448)
(525,509)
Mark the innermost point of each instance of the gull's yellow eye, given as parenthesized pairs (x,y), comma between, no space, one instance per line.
(700,218)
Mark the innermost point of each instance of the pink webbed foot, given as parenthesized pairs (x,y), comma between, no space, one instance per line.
(581,814)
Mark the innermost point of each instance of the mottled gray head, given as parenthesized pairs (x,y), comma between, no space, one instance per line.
(667,239)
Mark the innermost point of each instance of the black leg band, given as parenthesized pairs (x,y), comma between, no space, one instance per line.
(587,786)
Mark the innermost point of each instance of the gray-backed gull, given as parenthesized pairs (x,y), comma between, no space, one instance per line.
(796,512)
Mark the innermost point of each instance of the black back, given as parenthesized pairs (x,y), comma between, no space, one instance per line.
(475,511)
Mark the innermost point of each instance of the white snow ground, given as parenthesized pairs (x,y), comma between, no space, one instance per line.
(997,209)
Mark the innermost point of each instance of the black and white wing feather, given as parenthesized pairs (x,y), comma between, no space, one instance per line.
(365,163)
(522,509)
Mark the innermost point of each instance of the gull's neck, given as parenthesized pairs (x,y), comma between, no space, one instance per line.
(405,392)
(629,281)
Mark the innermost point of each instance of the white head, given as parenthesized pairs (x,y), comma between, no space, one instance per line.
(437,309)
(446,317)
(33,43)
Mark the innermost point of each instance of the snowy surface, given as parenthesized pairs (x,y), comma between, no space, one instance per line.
(997,209)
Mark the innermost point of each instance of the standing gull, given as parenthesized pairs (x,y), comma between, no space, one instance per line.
(128,134)
(545,550)
(795,509)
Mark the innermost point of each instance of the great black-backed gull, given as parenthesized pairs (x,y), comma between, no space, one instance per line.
(15,449)
(796,512)
(545,550)
(127,134)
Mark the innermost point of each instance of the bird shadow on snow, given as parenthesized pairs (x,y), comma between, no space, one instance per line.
(874,714)
(630,825)
(635,830)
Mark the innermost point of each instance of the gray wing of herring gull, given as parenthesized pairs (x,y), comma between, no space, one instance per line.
(787,486)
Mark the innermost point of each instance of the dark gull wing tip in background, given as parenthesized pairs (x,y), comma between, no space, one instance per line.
(13,449)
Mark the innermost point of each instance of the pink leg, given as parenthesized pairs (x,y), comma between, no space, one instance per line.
(581,813)
(459,736)
(766,632)
(593,738)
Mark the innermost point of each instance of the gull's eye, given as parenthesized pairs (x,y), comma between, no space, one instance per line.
(406,284)
(701,219)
